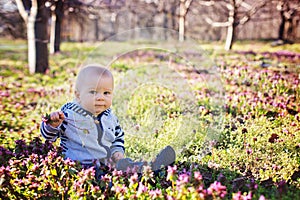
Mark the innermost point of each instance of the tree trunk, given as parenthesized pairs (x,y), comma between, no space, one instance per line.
(181,20)
(133,24)
(36,21)
(56,21)
(29,19)
(183,10)
(229,37)
(231,27)
(31,42)
(281,26)
(114,20)
(41,38)
(165,25)
(59,11)
(97,29)
(52,32)
(181,28)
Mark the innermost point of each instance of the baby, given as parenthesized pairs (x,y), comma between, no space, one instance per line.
(90,133)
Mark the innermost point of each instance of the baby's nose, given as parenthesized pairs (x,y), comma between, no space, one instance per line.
(99,96)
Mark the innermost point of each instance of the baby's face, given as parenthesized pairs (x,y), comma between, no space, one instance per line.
(96,94)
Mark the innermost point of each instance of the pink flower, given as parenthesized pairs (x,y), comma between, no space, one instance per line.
(95,188)
(155,193)
(171,172)
(4,93)
(120,190)
(248,197)
(262,197)
(170,197)
(142,189)
(217,188)
(249,151)
(117,173)
(182,179)
(106,178)
(197,176)
(134,178)
(237,196)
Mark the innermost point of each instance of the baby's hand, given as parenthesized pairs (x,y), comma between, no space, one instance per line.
(117,156)
(54,119)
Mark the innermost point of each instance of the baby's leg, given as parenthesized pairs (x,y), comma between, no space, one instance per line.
(165,158)
(127,163)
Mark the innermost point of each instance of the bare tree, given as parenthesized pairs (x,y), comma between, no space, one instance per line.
(142,13)
(57,13)
(238,13)
(58,8)
(33,13)
(42,38)
(175,12)
(9,17)
(168,10)
(183,10)
(81,11)
(113,7)
(290,17)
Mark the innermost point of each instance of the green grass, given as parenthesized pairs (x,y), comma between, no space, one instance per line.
(240,118)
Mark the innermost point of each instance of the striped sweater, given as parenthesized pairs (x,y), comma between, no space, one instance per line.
(84,137)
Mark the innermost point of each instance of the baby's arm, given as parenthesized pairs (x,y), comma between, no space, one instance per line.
(117,148)
(49,125)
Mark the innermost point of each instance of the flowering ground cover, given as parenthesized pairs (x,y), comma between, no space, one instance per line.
(253,154)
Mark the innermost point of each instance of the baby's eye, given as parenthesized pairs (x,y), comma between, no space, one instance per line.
(107,93)
(92,92)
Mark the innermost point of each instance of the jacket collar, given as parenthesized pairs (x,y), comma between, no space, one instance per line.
(78,109)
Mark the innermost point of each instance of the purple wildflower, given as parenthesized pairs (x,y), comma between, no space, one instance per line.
(262,197)
(154,194)
(197,176)
(171,172)
(182,179)
(134,179)
(217,188)
(142,189)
